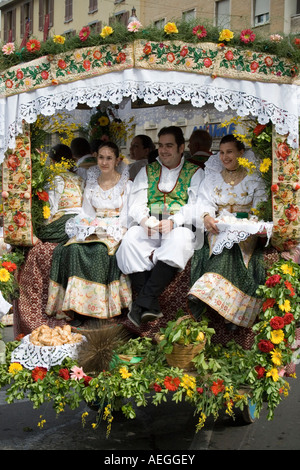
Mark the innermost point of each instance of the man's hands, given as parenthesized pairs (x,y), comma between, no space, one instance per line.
(164,226)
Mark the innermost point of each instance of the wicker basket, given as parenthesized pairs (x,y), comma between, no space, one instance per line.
(183,354)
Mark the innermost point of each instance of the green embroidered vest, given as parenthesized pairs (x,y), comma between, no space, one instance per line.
(168,203)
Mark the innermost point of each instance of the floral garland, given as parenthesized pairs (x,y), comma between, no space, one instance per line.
(284,46)
(226,376)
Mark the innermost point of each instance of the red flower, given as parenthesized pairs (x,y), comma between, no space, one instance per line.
(9,83)
(38,373)
(121,58)
(292,212)
(171,383)
(273,280)
(97,55)
(87,380)
(61,64)
(288,318)
(64,373)
(20,219)
(247,36)
(9,266)
(202,32)
(184,51)
(289,286)
(207,62)
(258,129)
(33,45)
(13,162)
(297,42)
(19,74)
(260,371)
(156,387)
(274,188)
(229,55)
(265,345)
(147,49)
(170,57)
(269,303)
(44,75)
(43,195)
(84,33)
(283,151)
(200,390)
(277,323)
(218,387)
(268,61)
(254,66)
(86,64)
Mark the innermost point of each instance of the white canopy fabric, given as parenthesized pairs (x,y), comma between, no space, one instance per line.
(278,103)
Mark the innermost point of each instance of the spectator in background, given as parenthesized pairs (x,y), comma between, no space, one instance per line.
(81,151)
(200,143)
(141,149)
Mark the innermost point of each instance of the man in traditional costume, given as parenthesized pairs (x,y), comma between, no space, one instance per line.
(200,143)
(162,240)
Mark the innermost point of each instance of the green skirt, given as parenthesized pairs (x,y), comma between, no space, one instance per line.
(86,279)
(227,283)
(55,232)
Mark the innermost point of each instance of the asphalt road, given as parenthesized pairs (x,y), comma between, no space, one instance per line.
(168,427)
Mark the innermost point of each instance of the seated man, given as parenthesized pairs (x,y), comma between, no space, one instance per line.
(152,253)
(200,143)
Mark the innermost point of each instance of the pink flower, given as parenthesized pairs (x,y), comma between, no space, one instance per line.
(247,36)
(77,373)
(8,48)
(84,33)
(202,32)
(134,26)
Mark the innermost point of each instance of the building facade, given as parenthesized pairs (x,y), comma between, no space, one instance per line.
(41,18)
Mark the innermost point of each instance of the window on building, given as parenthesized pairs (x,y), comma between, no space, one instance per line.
(223,14)
(298,7)
(189,15)
(121,17)
(93,6)
(46,13)
(261,12)
(96,27)
(9,31)
(160,24)
(68,10)
(26,18)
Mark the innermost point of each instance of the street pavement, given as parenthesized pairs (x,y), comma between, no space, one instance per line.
(168,427)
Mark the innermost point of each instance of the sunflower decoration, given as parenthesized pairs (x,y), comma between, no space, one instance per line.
(99,126)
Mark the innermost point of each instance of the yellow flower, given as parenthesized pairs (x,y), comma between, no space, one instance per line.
(170,28)
(188,382)
(103,121)
(246,164)
(106,31)
(286,269)
(200,336)
(273,373)
(277,336)
(226,35)
(286,307)
(46,212)
(4,275)
(14,368)
(124,372)
(58,39)
(276,357)
(201,422)
(265,165)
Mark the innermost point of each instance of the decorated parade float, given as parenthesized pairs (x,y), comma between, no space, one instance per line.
(114,367)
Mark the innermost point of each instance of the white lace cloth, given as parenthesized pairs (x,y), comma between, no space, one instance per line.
(235,230)
(31,356)
(265,101)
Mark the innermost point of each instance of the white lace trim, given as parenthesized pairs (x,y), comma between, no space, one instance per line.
(265,101)
(31,356)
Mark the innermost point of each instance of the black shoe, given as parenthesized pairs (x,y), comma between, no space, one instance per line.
(194,307)
(150,316)
(230,326)
(135,315)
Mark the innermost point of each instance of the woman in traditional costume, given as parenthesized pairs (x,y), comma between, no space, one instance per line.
(227,281)
(65,198)
(85,278)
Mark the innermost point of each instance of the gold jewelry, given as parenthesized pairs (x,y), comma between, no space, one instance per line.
(234,177)
(110,187)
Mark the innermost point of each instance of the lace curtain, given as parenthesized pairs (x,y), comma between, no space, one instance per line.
(265,101)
